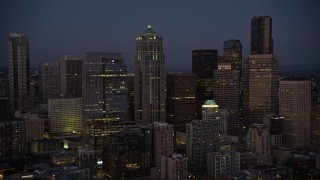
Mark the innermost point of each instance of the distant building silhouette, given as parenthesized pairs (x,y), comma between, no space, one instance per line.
(232,53)
(48,81)
(71,76)
(149,78)
(295,107)
(19,71)
(261,35)
(204,62)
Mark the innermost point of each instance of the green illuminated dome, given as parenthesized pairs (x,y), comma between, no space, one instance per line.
(210,103)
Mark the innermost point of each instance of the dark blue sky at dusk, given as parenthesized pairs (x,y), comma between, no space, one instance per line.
(72,27)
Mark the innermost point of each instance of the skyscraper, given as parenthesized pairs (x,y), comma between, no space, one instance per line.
(71,76)
(261,35)
(149,78)
(204,62)
(180,99)
(162,138)
(226,94)
(48,81)
(19,70)
(207,135)
(232,53)
(260,74)
(260,87)
(104,94)
(295,107)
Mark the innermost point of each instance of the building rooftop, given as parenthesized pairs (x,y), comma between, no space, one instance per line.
(149,31)
(210,103)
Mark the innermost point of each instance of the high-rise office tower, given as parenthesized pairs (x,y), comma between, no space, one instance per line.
(104,94)
(65,116)
(19,70)
(258,143)
(180,99)
(261,35)
(71,76)
(162,138)
(260,87)
(127,154)
(232,53)
(48,81)
(295,107)
(149,78)
(204,62)
(226,94)
(207,135)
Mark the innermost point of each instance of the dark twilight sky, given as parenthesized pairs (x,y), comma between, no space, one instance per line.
(72,27)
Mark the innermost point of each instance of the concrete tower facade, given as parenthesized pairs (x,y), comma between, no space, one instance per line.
(260,87)
(149,78)
(295,107)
